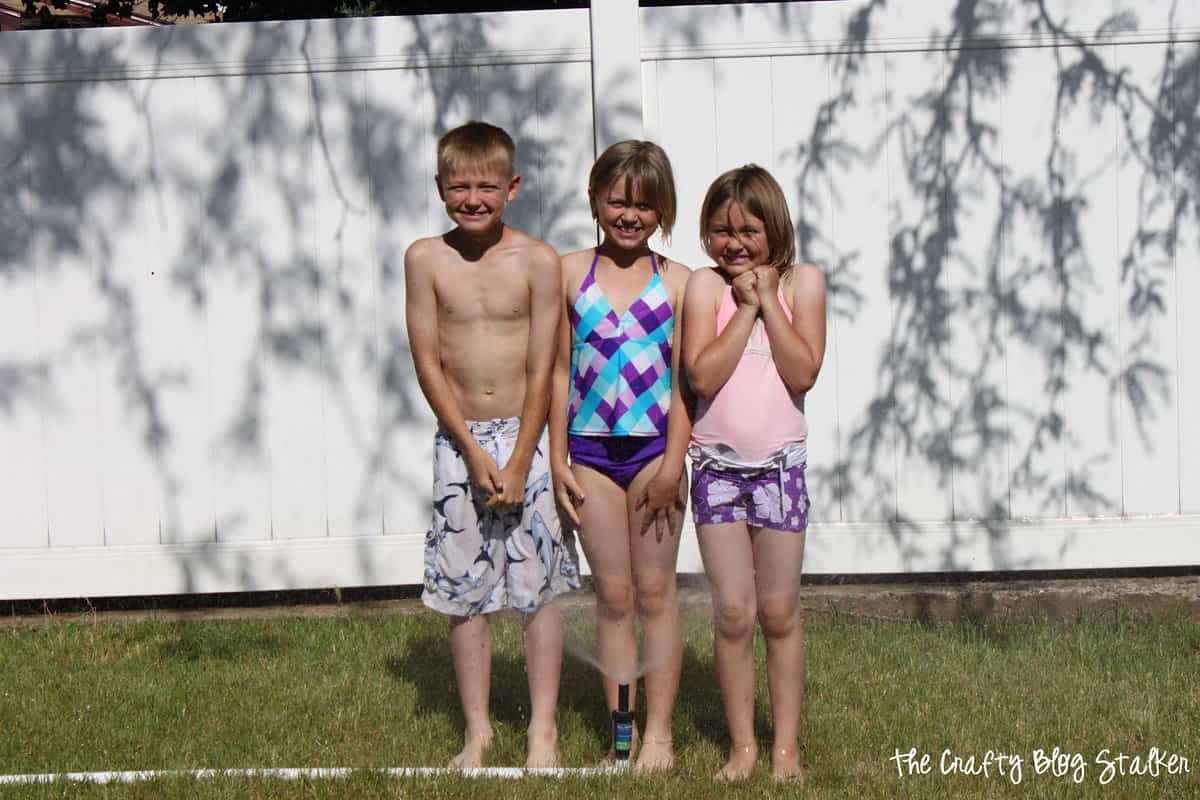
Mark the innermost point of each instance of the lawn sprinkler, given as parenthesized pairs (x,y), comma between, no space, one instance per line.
(622,719)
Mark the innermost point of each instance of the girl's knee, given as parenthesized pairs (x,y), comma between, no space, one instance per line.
(654,597)
(734,620)
(614,599)
(779,616)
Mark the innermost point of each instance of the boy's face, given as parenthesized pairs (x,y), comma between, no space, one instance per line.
(475,198)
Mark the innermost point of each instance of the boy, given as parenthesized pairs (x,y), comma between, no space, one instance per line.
(483,304)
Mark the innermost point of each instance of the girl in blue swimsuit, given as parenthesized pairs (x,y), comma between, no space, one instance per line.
(619,429)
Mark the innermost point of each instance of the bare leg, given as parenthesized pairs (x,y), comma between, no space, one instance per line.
(729,565)
(543,664)
(653,565)
(604,534)
(471,645)
(778,556)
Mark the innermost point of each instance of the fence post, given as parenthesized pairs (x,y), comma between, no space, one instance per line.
(616,72)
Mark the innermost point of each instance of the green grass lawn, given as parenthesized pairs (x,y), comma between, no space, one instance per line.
(379,692)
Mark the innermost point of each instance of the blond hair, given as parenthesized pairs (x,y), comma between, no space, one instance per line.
(475,145)
(645,169)
(753,188)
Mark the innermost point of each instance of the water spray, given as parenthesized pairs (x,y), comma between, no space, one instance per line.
(622,719)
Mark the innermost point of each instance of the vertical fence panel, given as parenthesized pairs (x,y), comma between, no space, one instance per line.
(616,71)
(917,276)
(343,251)
(1186,100)
(975,351)
(859,304)
(1088,165)
(744,109)
(169,285)
(687,130)
(564,156)
(293,402)
(25,389)
(143,249)
(221,167)
(405,207)
(1145,191)
(76,323)
(1034,294)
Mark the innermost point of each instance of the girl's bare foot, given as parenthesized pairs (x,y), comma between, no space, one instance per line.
(658,755)
(634,747)
(742,759)
(543,749)
(475,744)
(785,763)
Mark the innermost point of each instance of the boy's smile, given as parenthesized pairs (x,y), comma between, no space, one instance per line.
(475,199)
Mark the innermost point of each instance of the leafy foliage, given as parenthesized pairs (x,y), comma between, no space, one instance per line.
(251,10)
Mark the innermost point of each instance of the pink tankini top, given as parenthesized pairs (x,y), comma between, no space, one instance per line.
(754,414)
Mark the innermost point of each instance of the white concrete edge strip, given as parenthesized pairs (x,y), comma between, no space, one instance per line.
(292,774)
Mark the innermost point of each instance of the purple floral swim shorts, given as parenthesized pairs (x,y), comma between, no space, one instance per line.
(775,499)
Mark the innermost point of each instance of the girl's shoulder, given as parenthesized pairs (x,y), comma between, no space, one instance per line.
(707,279)
(805,277)
(574,270)
(672,273)
(577,263)
(579,257)
(705,287)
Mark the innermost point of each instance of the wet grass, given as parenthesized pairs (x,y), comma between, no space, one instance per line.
(379,692)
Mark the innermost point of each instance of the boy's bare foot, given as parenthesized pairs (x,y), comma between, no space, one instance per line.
(543,749)
(785,763)
(742,759)
(658,755)
(475,744)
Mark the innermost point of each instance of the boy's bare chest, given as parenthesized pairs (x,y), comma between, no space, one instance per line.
(482,295)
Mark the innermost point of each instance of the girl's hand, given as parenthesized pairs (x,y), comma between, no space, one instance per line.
(767,285)
(744,292)
(567,492)
(662,504)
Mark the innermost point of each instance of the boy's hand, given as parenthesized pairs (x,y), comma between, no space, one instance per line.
(567,492)
(512,486)
(744,292)
(484,473)
(662,503)
(767,284)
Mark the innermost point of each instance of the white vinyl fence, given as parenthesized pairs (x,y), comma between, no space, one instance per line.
(204,377)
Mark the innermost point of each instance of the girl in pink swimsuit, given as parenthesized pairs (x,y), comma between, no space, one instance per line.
(618,431)
(754,339)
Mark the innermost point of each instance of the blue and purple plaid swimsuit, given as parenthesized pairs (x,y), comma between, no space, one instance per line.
(620,378)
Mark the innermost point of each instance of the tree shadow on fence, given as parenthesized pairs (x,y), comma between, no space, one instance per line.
(70,202)
(297,155)
(950,150)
